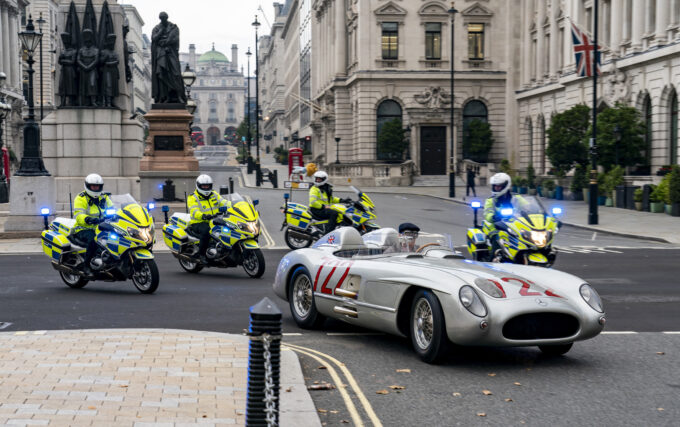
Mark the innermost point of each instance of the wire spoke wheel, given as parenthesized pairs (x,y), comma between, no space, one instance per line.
(423,323)
(302,296)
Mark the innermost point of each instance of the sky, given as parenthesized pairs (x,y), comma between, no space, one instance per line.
(202,22)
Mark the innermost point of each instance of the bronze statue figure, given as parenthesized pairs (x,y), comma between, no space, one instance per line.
(88,58)
(167,84)
(126,51)
(109,73)
(68,80)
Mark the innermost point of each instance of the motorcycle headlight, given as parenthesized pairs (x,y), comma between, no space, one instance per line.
(254,227)
(540,238)
(591,297)
(144,234)
(471,301)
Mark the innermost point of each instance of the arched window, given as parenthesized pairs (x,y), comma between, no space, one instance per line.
(473,110)
(647,155)
(673,142)
(389,113)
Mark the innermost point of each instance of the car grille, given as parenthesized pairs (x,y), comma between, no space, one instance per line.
(535,326)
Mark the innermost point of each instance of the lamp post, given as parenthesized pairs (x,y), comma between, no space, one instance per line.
(337,150)
(452,172)
(31,162)
(256,24)
(40,22)
(593,186)
(248,53)
(189,77)
(4,111)
(618,135)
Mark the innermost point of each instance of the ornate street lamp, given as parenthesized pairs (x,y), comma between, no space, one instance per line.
(256,24)
(189,77)
(248,53)
(4,112)
(31,162)
(452,172)
(191,106)
(40,22)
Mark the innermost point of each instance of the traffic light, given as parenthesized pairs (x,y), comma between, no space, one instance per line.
(308,138)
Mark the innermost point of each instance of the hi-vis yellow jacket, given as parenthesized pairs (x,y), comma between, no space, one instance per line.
(318,198)
(200,205)
(85,206)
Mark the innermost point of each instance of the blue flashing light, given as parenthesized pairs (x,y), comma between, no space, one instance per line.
(506,212)
(160,186)
(110,212)
(476,204)
(113,237)
(557,210)
(151,205)
(165,208)
(45,211)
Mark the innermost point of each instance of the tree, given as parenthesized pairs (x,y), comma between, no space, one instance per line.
(567,136)
(242,130)
(391,141)
(632,129)
(478,140)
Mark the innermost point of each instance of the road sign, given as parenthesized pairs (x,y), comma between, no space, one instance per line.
(300,185)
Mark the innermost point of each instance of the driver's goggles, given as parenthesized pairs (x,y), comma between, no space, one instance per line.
(410,234)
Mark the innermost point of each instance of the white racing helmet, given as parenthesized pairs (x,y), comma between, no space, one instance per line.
(320,178)
(500,184)
(204,184)
(94,185)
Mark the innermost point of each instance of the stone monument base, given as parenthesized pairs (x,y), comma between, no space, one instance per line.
(152,183)
(28,195)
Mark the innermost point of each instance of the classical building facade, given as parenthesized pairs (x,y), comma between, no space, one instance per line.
(219,92)
(47,11)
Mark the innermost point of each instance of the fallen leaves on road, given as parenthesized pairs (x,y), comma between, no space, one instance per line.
(659,409)
(481,414)
(123,386)
(289,389)
(660,353)
(492,374)
(487,392)
(382,392)
(91,407)
(508,400)
(456,394)
(344,421)
(322,386)
(323,411)
(397,387)
(407,371)
(517,384)
(322,367)
(334,412)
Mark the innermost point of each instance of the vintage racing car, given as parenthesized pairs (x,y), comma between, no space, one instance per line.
(430,293)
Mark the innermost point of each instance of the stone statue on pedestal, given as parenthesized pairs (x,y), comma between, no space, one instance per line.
(68,81)
(166,80)
(88,59)
(109,72)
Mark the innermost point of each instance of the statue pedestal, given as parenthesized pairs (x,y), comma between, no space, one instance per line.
(81,141)
(168,153)
(30,194)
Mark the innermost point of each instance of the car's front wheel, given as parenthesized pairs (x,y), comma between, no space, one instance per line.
(555,350)
(428,328)
(301,300)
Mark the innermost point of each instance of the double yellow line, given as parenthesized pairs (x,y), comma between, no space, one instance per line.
(263,229)
(324,359)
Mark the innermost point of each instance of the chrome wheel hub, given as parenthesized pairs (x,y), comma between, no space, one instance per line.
(423,323)
(302,296)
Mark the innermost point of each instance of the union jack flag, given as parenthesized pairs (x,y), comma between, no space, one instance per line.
(583,50)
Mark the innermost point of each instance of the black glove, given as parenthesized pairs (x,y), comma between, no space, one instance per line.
(345,200)
(208,217)
(90,220)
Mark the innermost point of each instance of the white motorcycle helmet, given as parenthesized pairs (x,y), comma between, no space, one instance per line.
(94,185)
(320,178)
(204,184)
(500,184)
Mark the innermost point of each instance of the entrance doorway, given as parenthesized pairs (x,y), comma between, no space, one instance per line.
(433,150)
(213,135)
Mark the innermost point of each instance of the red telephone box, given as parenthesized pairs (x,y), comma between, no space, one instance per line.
(5,161)
(294,159)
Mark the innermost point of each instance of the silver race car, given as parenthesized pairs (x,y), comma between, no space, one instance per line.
(429,292)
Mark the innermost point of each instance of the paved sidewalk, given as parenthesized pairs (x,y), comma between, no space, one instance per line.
(136,377)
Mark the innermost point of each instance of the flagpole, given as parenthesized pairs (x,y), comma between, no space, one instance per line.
(593,188)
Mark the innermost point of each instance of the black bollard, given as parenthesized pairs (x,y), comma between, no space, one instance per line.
(275,179)
(262,404)
(251,165)
(231,185)
(258,177)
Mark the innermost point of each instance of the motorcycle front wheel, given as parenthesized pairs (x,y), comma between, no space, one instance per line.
(253,263)
(146,276)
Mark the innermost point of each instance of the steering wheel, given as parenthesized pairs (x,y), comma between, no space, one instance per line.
(425,246)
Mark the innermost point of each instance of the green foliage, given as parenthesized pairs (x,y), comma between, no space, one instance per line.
(391,141)
(521,182)
(580,180)
(282,156)
(531,176)
(548,184)
(478,140)
(632,137)
(505,167)
(611,180)
(674,185)
(637,196)
(660,193)
(242,154)
(654,196)
(567,139)
(242,130)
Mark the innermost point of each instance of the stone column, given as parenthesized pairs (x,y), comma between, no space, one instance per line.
(3,36)
(638,24)
(527,42)
(15,59)
(5,44)
(340,39)
(540,42)
(616,25)
(663,11)
(555,49)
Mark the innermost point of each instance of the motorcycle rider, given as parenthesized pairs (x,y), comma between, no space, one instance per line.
(89,209)
(320,199)
(204,205)
(501,196)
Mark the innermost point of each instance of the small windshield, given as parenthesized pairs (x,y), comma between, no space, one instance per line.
(388,241)
(122,200)
(235,198)
(526,205)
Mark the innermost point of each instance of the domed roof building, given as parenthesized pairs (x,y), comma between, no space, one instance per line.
(219,92)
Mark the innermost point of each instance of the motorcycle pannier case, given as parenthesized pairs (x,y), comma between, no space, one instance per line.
(476,240)
(297,216)
(54,244)
(174,236)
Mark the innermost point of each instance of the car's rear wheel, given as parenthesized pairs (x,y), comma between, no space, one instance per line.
(428,328)
(555,350)
(301,300)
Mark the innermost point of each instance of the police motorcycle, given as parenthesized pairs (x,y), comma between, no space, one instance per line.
(526,233)
(233,238)
(302,229)
(124,247)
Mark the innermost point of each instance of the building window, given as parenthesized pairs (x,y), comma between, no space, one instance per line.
(475,41)
(224,82)
(473,111)
(433,40)
(390,38)
(674,129)
(388,111)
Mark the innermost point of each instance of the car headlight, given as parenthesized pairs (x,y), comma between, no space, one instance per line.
(490,288)
(471,301)
(591,297)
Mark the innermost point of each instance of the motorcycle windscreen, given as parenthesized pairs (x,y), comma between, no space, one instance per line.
(136,214)
(244,210)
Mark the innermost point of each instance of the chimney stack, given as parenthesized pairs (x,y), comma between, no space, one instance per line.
(234,57)
(192,56)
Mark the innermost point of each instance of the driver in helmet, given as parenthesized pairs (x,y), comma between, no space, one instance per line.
(89,209)
(204,205)
(321,198)
(501,196)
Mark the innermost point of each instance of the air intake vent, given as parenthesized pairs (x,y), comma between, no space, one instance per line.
(536,326)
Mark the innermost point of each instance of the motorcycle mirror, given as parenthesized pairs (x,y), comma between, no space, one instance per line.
(476,204)
(256,202)
(223,209)
(165,208)
(286,196)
